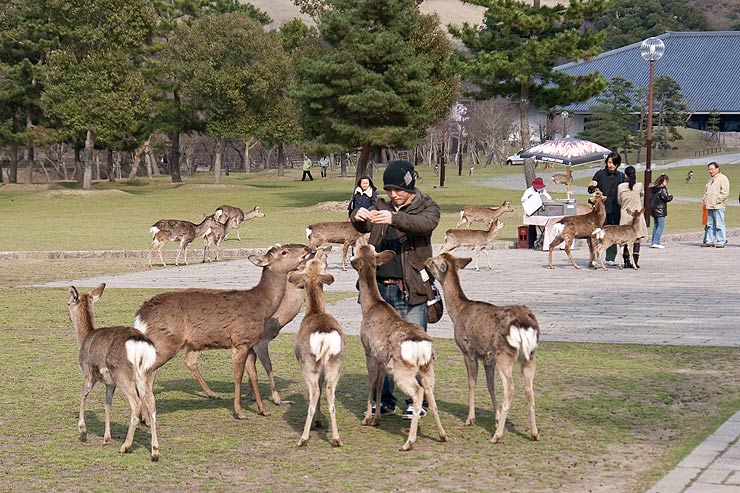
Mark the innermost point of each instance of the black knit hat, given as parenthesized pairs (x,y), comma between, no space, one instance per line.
(399,174)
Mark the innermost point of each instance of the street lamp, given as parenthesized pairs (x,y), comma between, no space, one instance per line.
(564,115)
(651,49)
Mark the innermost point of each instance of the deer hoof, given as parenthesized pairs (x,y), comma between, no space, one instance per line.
(495,439)
(469,421)
(302,442)
(535,435)
(155,456)
(276,399)
(406,447)
(336,442)
(124,449)
(240,415)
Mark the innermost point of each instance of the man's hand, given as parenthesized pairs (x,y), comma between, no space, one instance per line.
(381,217)
(593,184)
(362,214)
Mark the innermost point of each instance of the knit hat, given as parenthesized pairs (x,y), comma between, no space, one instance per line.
(538,184)
(399,174)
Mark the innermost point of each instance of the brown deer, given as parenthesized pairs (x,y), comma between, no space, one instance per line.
(119,357)
(199,319)
(319,345)
(341,233)
(498,335)
(477,239)
(214,235)
(625,234)
(561,179)
(185,232)
(392,345)
(579,227)
(469,214)
(225,212)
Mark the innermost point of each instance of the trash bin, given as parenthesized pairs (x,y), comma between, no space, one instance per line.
(522,241)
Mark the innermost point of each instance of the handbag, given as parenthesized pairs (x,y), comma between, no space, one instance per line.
(435,307)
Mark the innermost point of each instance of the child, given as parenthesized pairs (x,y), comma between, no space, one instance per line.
(659,208)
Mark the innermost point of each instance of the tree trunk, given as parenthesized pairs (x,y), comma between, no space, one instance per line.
(343,164)
(109,168)
(362,161)
(217,161)
(78,163)
(13,173)
(281,159)
(175,157)
(529,173)
(29,145)
(89,149)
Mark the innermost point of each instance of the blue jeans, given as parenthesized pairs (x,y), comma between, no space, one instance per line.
(716,231)
(658,225)
(411,313)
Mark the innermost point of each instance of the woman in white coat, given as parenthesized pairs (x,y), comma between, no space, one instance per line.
(630,196)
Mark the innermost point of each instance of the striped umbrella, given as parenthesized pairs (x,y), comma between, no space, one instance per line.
(568,151)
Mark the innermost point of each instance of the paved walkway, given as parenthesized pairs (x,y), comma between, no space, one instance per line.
(667,301)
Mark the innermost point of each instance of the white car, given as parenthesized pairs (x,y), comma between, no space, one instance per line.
(515,159)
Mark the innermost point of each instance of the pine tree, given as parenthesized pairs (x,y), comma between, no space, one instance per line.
(612,119)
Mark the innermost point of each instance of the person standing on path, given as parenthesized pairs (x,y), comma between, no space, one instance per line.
(630,197)
(659,208)
(306,168)
(715,200)
(324,164)
(532,201)
(608,180)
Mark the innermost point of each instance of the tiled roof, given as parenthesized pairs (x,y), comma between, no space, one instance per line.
(705,64)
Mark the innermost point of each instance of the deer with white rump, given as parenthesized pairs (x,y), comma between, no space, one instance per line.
(214,235)
(392,345)
(469,214)
(185,232)
(225,212)
(319,345)
(625,234)
(497,335)
(119,357)
(479,240)
(199,319)
(581,226)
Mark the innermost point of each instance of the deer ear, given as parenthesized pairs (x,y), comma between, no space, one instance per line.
(326,249)
(384,257)
(259,260)
(298,279)
(97,292)
(74,295)
(462,262)
(361,241)
(326,279)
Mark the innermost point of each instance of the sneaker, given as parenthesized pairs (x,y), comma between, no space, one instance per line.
(409,412)
(719,245)
(655,245)
(385,409)
(611,263)
(707,244)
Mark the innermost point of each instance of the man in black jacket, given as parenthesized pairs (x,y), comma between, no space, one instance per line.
(607,180)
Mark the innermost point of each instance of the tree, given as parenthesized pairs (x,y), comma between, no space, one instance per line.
(514,52)
(672,111)
(713,125)
(612,119)
(379,77)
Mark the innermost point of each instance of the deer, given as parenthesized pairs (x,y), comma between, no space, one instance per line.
(238,216)
(342,233)
(607,236)
(480,240)
(185,232)
(497,335)
(199,319)
(214,235)
(561,179)
(689,176)
(581,227)
(319,345)
(119,357)
(392,345)
(469,214)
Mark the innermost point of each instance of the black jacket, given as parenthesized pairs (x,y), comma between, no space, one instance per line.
(659,202)
(608,184)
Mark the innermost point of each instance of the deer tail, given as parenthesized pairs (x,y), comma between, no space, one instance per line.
(599,234)
(141,354)
(557,229)
(324,345)
(523,340)
(419,353)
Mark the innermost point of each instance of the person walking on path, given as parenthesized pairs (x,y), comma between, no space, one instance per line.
(306,168)
(659,208)
(324,164)
(365,195)
(715,200)
(608,180)
(630,197)
(403,225)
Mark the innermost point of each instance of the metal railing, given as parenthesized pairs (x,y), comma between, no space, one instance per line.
(709,150)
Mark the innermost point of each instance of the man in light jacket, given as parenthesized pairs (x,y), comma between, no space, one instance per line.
(715,200)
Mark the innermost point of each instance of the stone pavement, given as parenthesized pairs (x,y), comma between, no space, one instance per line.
(673,299)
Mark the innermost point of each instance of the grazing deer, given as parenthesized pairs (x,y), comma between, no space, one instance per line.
(579,227)
(561,179)
(689,176)
(469,214)
(185,232)
(625,234)
(319,345)
(119,357)
(225,212)
(199,319)
(341,233)
(214,235)
(477,239)
(498,335)
(548,166)
(392,345)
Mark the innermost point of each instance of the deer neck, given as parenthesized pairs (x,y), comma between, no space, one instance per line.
(202,227)
(84,321)
(271,288)
(453,293)
(314,299)
(369,293)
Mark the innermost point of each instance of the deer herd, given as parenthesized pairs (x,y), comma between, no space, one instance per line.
(245,321)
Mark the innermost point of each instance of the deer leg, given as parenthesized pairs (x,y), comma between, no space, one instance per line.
(312,382)
(263,353)
(128,389)
(460,223)
(109,390)
(568,242)
(528,370)
(477,256)
(406,381)
(251,367)
(332,377)
(591,247)
(557,241)
(490,368)
(191,361)
(485,250)
(318,423)
(471,365)
(427,383)
(238,361)
(345,249)
(630,249)
(504,371)
(87,385)
(238,229)
(375,387)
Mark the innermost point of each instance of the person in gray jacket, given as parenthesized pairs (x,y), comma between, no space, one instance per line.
(404,225)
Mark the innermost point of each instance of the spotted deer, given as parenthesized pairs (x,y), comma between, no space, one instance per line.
(166,230)
(470,214)
(237,216)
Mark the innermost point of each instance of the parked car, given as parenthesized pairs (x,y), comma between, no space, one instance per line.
(515,159)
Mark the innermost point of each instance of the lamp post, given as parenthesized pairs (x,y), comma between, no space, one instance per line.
(651,49)
(564,115)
